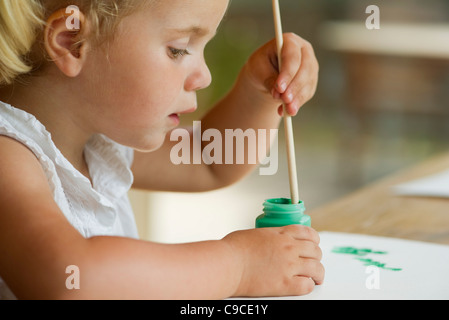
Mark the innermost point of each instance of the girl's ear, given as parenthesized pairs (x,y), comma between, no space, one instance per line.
(61,36)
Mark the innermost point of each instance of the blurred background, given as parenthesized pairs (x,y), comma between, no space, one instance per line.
(382,105)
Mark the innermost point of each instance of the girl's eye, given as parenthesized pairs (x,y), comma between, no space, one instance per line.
(177,53)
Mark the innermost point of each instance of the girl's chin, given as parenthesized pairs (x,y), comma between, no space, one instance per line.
(150,145)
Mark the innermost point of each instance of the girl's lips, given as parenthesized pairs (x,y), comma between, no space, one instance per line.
(175,116)
(175,119)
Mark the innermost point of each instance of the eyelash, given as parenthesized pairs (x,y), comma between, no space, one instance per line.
(177,53)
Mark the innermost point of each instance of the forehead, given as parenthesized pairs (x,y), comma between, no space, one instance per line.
(197,16)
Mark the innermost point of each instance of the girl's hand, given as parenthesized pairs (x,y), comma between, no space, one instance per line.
(277,261)
(296,83)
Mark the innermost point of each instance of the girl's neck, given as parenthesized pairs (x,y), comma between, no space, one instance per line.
(55,113)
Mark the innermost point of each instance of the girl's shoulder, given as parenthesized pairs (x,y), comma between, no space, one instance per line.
(22,175)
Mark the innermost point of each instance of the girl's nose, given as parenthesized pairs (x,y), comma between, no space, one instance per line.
(200,77)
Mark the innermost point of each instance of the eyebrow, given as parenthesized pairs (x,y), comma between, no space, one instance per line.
(197,30)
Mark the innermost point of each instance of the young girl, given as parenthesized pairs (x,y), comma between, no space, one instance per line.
(88,97)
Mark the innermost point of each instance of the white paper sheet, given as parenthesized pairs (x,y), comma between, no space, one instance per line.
(423,274)
(433,186)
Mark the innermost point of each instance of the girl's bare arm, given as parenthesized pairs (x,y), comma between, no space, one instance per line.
(37,244)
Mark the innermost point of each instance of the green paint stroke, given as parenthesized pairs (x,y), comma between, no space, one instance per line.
(371,262)
(355,251)
(362,253)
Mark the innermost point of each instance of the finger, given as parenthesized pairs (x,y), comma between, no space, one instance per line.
(311,268)
(309,250)
(300,232)
(299,286)
(275,94)
(304,95)
(292,109)
(307,77)
(281,110)
(306,72)
(291,61)
(303,86)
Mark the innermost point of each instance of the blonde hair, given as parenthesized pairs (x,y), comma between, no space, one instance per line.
(22,23)
(19,21)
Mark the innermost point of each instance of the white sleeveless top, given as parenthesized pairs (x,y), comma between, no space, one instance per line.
(100,208)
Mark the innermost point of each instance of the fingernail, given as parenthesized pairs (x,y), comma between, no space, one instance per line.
(282,86)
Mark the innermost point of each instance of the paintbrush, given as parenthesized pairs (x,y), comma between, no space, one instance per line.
(293,178)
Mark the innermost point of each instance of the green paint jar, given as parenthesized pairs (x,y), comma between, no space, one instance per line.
(281,212)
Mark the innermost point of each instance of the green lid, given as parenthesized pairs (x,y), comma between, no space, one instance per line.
(281,212)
